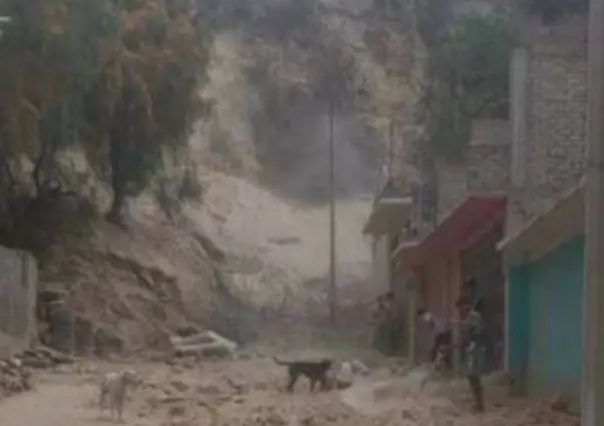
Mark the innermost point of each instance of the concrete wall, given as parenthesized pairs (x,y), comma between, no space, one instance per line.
(18,282)
(382,265)
(545,311)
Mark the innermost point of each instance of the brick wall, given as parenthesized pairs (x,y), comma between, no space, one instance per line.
(550,141)
(485,167)
(18,280)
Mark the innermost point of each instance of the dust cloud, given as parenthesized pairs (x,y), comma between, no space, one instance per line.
(296,156)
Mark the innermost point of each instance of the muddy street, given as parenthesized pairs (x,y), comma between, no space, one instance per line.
(248,392)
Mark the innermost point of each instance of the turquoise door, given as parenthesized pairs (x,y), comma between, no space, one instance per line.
(555,318)
(518,311)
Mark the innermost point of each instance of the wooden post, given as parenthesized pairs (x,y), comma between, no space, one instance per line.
(332,217)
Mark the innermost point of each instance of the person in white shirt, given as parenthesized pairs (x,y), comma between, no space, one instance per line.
(442,333)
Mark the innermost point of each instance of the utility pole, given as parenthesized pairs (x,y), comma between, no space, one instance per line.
(593,374)
(332,215)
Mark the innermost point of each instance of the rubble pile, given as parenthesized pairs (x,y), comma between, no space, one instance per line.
(43,357)
(14,378)
(16,373)
(549,413)
(202,344)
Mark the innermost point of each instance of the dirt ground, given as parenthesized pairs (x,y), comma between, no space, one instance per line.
(248,392)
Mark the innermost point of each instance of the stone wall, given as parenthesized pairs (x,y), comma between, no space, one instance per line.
(484,169)
(549,107)
(18,282)
(488,156)
(451,187)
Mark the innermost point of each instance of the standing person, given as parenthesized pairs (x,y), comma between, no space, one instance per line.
(442,334)
(392,322)
(379,310)
(385,320)
(474,331)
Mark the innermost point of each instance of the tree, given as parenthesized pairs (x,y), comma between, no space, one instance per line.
(48,51)
(146,96)
(118,77)
(467,76)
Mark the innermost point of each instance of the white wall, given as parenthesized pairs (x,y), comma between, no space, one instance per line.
(381,264)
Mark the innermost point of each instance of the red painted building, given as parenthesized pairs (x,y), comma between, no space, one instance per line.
(463,245)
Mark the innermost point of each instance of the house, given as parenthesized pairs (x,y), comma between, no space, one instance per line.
(543,247)
(545,267)
(389,216)
(462,246)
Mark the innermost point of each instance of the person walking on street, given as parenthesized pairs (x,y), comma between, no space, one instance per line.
(441,333)
(474,330)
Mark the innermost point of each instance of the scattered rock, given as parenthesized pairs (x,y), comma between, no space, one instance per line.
(179,385)
(359,368)
(207,344)
(178,423)
(331,418)
(208,389)
(172,399)
(187,330)
(43,357)
(14,377)
(275,419)
(282,241)
(345,376)
(63,369)
(240,386)
(189,362)
(152,401)
(177,410)
(225,399)
(309,421)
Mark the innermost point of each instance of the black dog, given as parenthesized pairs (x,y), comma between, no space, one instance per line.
(316,371)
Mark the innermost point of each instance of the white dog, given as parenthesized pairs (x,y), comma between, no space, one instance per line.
(115,387)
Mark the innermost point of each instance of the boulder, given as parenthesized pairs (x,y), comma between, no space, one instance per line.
(345,376)
(206,344)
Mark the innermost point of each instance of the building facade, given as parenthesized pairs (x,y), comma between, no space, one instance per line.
(544,243)
(545,264)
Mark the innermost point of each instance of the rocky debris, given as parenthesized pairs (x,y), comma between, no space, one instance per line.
(359,368)
(177,410)
(188,330)
(14,378)
(345,377)
(44,357)
(238,385)
(179,385)
(566,404)
(552,412)
(204,344)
